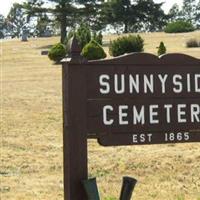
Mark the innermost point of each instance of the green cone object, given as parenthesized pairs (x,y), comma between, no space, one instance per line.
(91,189)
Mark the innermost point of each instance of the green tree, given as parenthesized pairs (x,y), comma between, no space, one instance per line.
(66,12)
(91,13)
(162,49)
(119,12)
(188,10)
(197,15)
(63,11)
(16,20)
(133,15)
(151,16)
(43,25)
(2,26)
(2,22)
(174,13)
(83,35)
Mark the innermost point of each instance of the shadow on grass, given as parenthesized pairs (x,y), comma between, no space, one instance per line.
(105,44)
(45,47)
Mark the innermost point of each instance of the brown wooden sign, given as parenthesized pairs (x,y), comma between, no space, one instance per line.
(130,100)
(143,99)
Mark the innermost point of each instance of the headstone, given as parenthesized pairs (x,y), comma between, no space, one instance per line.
(47,33)
(24,36)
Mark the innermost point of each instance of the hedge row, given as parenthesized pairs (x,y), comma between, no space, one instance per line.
(179,27)
(126,44)
(93,50)
(193,43)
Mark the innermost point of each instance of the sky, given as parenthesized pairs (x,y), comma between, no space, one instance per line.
(6,5)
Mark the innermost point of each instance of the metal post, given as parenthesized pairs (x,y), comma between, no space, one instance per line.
(127,188)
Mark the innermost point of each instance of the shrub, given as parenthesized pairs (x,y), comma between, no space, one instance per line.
(98,37)
(83,35)
(93,51)
(57,52)
(161,49)
(179,27)
(126,44)
(192,43)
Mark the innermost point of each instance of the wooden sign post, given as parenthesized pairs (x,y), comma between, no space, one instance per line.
(74,125)
(134,99)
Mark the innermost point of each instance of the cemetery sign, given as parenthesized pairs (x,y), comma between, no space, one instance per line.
(134,99)
(141,99)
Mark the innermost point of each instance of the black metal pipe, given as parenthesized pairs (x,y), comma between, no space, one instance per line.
(128,186)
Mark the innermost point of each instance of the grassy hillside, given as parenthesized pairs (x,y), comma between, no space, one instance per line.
(31,135)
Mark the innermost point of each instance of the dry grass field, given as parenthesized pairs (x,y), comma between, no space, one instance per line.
(31,135)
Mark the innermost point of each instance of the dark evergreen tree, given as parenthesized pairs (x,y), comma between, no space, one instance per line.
(162,49)
(134,15)
(2,22)
(197,15)
(83,35)
(43,25)
(174,13)
(91,14)
(151,16)
(16,21)
(66,12)
(188,10)
(119,12)
(63,11)
(2,26)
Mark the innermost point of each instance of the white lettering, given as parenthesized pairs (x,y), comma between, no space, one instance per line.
(148,84)
(168,108)
(188,83)
(119,88)
(153,114)
(195,113)
(177,82)
(163,82)
(197,82)
(103,82)
(123,114)
(106,121)
(138,117)
(134,83)
(181,113)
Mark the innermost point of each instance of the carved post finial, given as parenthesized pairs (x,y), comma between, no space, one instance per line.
(74,48)
(74,55)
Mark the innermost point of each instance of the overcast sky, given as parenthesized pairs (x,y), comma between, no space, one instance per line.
(6,5)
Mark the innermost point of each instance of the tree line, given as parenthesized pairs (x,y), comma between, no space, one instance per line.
(43,17)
